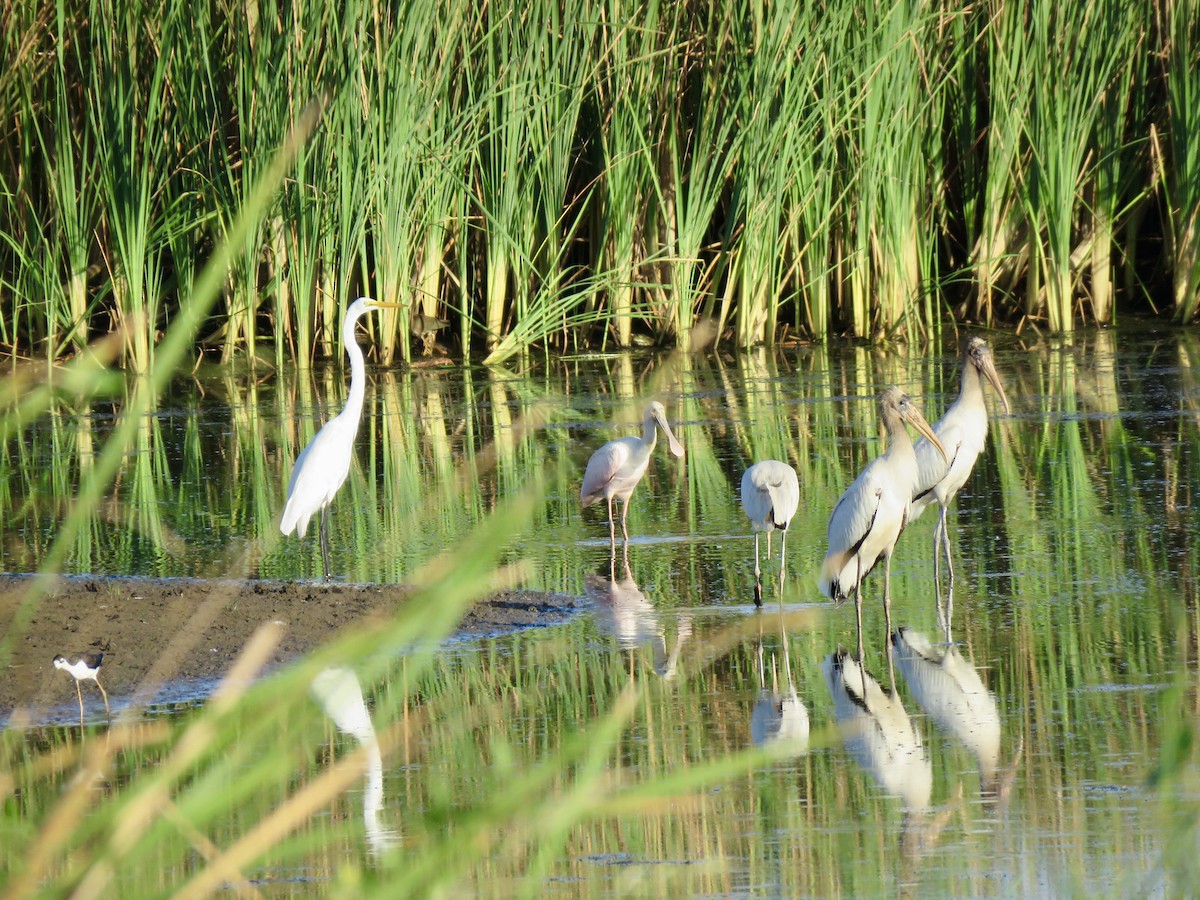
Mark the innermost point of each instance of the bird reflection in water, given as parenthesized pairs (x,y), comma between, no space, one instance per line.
(779,718)
(948,688)
(338,691)
(623,611)
(879,735)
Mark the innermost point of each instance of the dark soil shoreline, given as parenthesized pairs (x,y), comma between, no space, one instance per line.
(183,633)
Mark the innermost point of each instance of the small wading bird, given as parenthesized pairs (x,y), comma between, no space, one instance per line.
(616,468)
(83,667)
(322,466)
(770,495)
(963,433)
(871,514)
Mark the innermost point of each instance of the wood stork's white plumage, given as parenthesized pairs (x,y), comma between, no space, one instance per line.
(770,497)
(322,467)
(616,468)
(963,434)
(871,514)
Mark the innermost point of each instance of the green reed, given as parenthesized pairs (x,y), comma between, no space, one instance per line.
(544,178)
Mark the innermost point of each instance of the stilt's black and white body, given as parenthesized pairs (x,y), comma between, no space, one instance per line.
(962,432)
(322,467)
(83,667)
(770,497)
(616,468)
(871,514)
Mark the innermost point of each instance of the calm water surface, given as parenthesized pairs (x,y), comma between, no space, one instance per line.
(1022,758)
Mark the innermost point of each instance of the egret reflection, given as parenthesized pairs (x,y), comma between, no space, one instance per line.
(779,716)
(623,611)
(338,691)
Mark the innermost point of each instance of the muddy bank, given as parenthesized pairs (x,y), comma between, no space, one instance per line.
(184,633)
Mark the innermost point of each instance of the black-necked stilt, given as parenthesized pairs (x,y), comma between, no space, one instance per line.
(82,667)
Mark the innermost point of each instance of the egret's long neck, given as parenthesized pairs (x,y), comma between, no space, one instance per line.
(358,374)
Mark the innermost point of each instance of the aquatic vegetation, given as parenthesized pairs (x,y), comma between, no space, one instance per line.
(578,173)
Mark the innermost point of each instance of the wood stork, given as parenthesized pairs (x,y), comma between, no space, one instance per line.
(770,496)
(616,468)
(962,432)
(871,514)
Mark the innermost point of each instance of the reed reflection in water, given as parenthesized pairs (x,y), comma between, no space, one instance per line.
(1077,566)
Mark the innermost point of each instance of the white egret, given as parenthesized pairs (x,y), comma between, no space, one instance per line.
(83,667)
(871,514)
(963,433)
(322,467)
(616,468)
(770,496)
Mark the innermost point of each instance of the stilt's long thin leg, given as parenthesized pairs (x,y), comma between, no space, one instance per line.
(79,694)
(103,693)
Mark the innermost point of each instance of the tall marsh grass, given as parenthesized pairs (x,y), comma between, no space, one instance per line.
(576,172)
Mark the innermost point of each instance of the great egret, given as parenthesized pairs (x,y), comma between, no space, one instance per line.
(963,433)
(322,466)
(770,495)
(83,667)
(616,468)
(871,514)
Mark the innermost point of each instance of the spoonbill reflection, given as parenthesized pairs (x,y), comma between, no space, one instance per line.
(322,467)
(962,432)
(616,468)
(632,619)
(770,496)
(871,514)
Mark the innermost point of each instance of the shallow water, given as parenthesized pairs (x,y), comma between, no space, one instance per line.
(1074,614)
